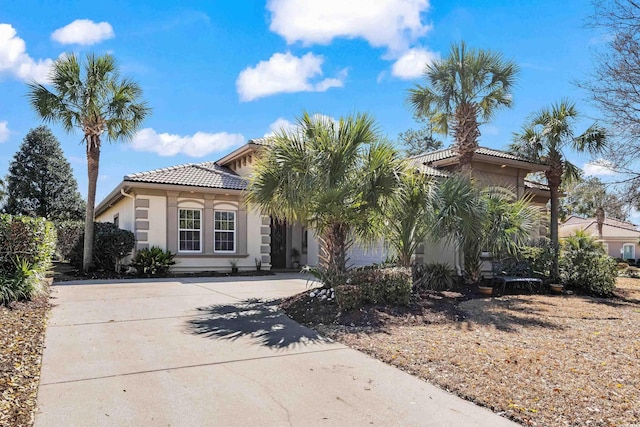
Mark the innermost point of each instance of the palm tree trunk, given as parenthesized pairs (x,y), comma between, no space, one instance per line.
(334,248)
(466,133)
(93,162)
(554,178)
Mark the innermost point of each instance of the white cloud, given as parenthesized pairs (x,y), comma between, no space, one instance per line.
(382,23)
(196,145)
(83,32)
(598,168)
(490,130)
(285,73)
(14,59)
(4,131)
(412,62)
(279,125)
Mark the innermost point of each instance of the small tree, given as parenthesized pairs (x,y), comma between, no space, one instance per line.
(419,141)
(40,180)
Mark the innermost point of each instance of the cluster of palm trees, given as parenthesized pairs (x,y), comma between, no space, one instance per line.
(337,176)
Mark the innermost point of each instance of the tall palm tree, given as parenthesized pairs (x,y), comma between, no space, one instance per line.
(94,98)
(409,218)
(334,176)
(467,86)
(543,139)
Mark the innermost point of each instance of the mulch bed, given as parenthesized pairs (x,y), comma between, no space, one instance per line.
(537,359)
(22,327)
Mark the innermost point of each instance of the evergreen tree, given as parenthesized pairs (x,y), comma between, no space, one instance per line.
(40,180)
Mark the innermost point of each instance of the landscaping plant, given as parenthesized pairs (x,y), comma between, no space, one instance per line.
(585,266)
(111,244)
(434,276)
(153,262)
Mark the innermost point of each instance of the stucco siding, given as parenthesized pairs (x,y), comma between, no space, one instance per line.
(124,210)
(157,221)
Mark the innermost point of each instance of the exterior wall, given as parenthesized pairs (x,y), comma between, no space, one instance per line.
(441,252)
(361,255)
(123,210)
(614,238)
(243,166)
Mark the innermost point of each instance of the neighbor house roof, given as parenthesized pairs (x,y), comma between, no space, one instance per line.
(206,175)
(449,153)
(586,223)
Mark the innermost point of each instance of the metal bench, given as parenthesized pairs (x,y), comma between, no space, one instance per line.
(517,274)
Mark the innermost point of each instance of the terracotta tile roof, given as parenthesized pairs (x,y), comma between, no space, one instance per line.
(267,140)
(207,174)
(536,185)
(573,219)
(447,153)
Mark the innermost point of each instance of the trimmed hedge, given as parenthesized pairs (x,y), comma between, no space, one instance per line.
(26,247)
(153,262)
(110,244)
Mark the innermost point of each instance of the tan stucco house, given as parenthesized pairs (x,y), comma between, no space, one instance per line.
(620,238)
(197,211)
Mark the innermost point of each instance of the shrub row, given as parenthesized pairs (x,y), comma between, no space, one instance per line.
(26,247)
(110,244)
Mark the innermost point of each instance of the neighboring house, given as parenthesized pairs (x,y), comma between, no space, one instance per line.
(620,238)
(197,211)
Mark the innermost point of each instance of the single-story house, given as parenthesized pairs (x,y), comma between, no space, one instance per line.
(620,238)
(197,211)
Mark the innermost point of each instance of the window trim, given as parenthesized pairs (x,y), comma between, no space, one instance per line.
(234,231)
(633,250)
(187,251)
(116,219)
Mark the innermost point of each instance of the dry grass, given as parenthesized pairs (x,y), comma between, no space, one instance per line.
(540,360)
(22,327)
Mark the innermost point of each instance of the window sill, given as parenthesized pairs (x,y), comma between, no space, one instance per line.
(216,255)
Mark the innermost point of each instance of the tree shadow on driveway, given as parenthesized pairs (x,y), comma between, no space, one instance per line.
(261,321)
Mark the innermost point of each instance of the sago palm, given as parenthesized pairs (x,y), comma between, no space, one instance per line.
(334,176)
(462,90)
(94,98)
(544,138)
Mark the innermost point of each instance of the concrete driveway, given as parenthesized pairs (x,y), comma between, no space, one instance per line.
(206,352)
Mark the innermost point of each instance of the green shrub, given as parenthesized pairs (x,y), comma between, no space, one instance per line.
(110,245)
(390,286)
(349,297)
(433,276)
(69,234)
(539,254)
(585,266)
(30,239)
(153,262)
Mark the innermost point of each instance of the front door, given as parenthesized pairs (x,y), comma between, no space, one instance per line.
(278,243)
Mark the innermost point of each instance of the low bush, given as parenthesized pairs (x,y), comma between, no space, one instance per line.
(110,245)
(623,266)
(539,254)
(586,267)
(349,297)
(153,262)
(390,286)
(434,276)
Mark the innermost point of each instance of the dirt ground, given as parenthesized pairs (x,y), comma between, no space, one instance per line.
(537,359)
(22,327)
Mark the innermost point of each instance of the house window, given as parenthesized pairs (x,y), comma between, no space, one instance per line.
(116,220)
(224,231)
(189,230)
(629,251)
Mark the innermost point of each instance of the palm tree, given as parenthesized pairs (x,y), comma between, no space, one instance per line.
(334,176)
(544,138)
(409,218)
(458,214)
(94,98)
(466,86)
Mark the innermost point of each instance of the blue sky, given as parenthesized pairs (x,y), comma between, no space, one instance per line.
(217,73)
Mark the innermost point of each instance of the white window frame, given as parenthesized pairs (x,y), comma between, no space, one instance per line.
(193,251)
(633,250)
(606,248)
(234,231)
